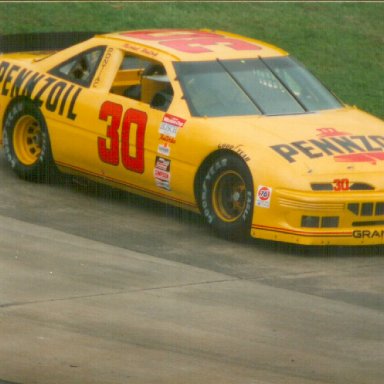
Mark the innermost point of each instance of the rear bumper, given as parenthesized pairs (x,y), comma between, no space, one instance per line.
(321,218)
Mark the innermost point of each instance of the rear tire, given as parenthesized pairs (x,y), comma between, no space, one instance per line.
(26,142)
(226,197)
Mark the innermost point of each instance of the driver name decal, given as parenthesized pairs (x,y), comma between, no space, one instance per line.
(343,146)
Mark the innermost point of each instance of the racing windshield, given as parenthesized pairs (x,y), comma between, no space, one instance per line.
(269,86)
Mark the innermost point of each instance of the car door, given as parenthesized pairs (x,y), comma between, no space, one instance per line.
(132,114)
(107,130)
(74,125)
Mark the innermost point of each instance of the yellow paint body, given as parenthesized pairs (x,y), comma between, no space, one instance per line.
(78,130)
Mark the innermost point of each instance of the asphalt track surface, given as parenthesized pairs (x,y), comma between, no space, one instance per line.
(100,286)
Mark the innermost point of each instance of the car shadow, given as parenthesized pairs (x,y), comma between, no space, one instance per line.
(111,194)
(117,196)
(334,251)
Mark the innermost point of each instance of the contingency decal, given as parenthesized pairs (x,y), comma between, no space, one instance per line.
(169,128)
(168,131)
(263,196)
(162,173)
(56,95)
(343,146)
(164,149)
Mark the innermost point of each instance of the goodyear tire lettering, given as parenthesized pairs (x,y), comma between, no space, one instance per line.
(34,166)
(235,224)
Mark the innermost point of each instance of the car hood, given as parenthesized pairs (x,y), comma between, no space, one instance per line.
(330,142)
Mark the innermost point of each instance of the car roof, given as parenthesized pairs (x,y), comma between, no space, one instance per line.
(195,45)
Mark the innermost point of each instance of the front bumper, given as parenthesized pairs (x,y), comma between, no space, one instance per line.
(321,218)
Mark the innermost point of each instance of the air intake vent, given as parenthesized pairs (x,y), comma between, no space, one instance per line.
(368,223)
(352,187)
(367,209)
(322,186)
(319,222)
(361,187)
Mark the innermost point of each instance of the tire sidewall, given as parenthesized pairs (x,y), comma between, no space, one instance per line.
(39,169)
(239,228)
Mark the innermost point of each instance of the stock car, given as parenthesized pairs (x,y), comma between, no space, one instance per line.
(224,125)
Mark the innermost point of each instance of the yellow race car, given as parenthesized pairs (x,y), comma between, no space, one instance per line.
(213,122)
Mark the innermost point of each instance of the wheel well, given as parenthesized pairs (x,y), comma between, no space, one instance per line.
(204,166)
(14,101)
(8,107)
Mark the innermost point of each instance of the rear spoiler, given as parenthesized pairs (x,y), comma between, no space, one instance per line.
(45,41)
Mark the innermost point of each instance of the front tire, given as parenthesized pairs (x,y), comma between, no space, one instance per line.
(26,142)
(226,196)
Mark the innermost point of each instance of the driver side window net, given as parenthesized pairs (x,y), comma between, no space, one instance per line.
(81,68)
(145,81)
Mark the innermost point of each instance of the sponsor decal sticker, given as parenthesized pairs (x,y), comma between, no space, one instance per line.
(263,196)
(368,234)
(343,146)
(164,149)
(55,95)
(164,184)
(162,173)
(167,139)
(170,126)
(163,164)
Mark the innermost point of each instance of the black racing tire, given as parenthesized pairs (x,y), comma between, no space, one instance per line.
(26,142)
(226,197)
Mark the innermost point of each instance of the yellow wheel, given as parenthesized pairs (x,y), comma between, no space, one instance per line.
(226,195)
(27,140)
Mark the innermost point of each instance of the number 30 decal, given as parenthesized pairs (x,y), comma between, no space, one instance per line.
(341,185)
(110,148)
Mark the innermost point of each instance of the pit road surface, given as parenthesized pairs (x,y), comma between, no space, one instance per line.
(100,286)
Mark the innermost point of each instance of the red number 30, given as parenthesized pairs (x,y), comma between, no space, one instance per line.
(341,185)
(109,149)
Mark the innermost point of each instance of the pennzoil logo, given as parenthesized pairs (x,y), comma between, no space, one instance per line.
(56,95)
(343,146)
